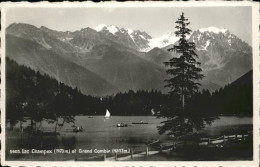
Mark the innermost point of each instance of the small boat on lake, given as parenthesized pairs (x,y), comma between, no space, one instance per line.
(78,129)
(141,122)
(107,114)
(122,125)
(90,116)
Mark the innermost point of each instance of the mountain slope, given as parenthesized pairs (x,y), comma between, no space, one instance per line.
(125,69)
(117,64)
(33,55)
(135,39)
(158,56)
(223,56)
(118,55)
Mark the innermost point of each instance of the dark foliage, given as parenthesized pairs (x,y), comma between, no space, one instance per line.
(235,98)
(36,97)
(184,69)
(196,115)
(135,103)
(183,114)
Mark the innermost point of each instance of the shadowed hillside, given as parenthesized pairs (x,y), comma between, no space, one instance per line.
(33,55)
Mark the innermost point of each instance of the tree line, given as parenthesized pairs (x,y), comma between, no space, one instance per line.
(36,97)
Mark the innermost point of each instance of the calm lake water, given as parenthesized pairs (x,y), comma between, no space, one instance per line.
(100,133)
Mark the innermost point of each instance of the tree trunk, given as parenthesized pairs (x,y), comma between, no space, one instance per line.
(183,102)
(32,125)
(40,125)
(21,126)
(56,126)
(62,123)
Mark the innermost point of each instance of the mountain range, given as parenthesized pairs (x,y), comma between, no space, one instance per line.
(109,59)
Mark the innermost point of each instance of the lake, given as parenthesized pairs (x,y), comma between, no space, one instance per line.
(100,133)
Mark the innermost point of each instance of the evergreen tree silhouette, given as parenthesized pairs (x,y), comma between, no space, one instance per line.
(185,73)
(183,69)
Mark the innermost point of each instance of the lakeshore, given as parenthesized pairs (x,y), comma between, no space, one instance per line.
(101,134)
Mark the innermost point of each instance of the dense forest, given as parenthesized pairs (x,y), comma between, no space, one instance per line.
(38,97)
(235,98)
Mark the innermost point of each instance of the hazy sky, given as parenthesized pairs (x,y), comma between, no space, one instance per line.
(155,21)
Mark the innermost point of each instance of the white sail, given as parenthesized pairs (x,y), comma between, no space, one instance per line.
(107,114)
(152,111)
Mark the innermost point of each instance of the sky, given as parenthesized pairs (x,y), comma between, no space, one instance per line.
(153,20)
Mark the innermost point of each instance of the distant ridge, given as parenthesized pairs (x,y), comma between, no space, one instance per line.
(33,55)
(129,59)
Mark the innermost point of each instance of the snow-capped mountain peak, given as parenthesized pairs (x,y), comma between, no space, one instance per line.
(129,31)
(141,41)
(100,27)
(170,33)
(207,37)
(214,30)
(111,28)
(162,41)
(132,38)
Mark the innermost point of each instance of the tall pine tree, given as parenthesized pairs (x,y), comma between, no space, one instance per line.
(184,68)
(185,74)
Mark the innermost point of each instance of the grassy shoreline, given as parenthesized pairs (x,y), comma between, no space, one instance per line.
(233,151)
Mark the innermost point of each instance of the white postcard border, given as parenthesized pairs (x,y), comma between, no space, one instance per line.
(256,74)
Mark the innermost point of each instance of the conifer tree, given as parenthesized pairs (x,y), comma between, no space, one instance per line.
(183,83)
(184,68)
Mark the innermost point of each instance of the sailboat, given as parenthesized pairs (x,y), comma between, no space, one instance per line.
(107,114)
(152,111)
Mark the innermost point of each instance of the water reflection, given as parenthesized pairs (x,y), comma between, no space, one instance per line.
(98,134)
